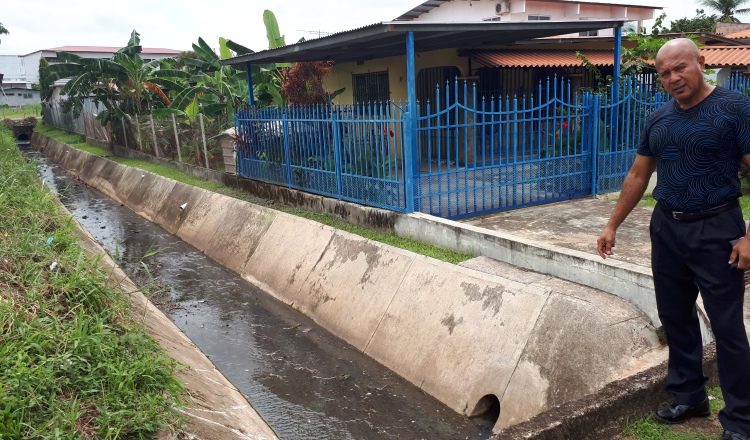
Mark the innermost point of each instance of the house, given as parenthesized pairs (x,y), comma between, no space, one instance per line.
(497,70)
(17,93)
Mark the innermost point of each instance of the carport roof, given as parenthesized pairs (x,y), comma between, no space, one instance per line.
(388,39)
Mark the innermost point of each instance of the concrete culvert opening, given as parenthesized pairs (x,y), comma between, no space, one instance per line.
(487,409)
(23,137)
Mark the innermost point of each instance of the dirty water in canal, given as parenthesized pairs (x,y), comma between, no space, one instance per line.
(305,382)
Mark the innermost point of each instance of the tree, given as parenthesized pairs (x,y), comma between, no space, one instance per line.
(45,85)
(3,30)
(124,83)
(700,23)
(727,8)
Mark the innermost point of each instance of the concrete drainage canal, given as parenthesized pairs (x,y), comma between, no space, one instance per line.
(305,382)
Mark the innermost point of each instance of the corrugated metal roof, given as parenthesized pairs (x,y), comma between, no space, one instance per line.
(540,58)
(717,56)
(382,40)
(738,35)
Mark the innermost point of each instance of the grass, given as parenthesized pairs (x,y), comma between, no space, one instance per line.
(74,362)
(709,428)
(21,112)
(76,141)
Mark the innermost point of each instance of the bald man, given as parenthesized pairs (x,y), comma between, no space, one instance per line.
(698,140)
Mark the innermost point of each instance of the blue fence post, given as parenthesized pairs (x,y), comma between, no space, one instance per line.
(595,110)
(287,149)
(337,154)
(250,97)
(410,137)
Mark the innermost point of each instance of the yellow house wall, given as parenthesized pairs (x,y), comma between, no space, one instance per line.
(341,75)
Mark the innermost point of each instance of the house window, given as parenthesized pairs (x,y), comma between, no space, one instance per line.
(371,87)
(539,17)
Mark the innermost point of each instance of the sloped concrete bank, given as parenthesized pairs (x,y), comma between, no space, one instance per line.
(468,335)
(629,281)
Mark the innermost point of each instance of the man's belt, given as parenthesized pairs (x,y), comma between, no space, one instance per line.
(701,215)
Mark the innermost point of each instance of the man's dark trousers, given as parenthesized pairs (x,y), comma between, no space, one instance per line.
(687,257)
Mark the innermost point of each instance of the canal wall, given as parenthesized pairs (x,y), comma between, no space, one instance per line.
(471,335)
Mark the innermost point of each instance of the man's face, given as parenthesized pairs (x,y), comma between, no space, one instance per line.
(681,74)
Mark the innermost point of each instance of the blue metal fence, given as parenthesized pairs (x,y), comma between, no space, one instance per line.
(487,154)
(472,154)
(619,122)
(347,152)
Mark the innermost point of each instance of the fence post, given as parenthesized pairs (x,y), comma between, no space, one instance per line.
(138,131)
(595,110)
(337,154)
(287,149)
(203,133)
(153,135)
(410,131)
(124,133)
(177,139)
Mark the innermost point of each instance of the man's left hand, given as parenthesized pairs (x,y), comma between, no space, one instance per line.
(741,254)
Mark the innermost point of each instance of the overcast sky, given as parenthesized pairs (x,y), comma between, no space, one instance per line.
(176,24)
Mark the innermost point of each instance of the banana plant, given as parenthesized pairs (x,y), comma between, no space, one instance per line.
(123,82)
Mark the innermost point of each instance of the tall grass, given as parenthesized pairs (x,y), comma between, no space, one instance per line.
(23,111)
(73,363)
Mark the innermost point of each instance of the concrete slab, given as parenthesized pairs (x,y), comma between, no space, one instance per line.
(93,166)
(130,178)
(285,257)
(576,225)
(446,319)
(149,195)
(182,199)
(107,179)
(65,158)
(551,370)
(204,214)
(239,232)
(351,286)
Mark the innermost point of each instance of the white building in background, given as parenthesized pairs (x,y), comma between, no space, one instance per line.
(20,73)
(16,88)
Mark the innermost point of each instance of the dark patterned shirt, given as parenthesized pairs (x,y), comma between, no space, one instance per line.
(698,150)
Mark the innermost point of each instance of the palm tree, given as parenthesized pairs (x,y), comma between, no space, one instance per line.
(727,9)
(3,30)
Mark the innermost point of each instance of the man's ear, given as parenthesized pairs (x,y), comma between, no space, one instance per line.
(702,62)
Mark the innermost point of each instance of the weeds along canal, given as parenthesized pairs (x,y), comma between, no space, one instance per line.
(305,382)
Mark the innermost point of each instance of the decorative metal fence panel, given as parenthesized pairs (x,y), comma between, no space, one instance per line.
(739,82)
(484,155)
(618,128)
(348,152)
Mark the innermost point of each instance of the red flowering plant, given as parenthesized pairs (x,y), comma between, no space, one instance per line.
(566,139)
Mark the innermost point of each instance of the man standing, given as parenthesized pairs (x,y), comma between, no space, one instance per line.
(698,141)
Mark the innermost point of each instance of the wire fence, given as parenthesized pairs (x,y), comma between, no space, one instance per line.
(195,141)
